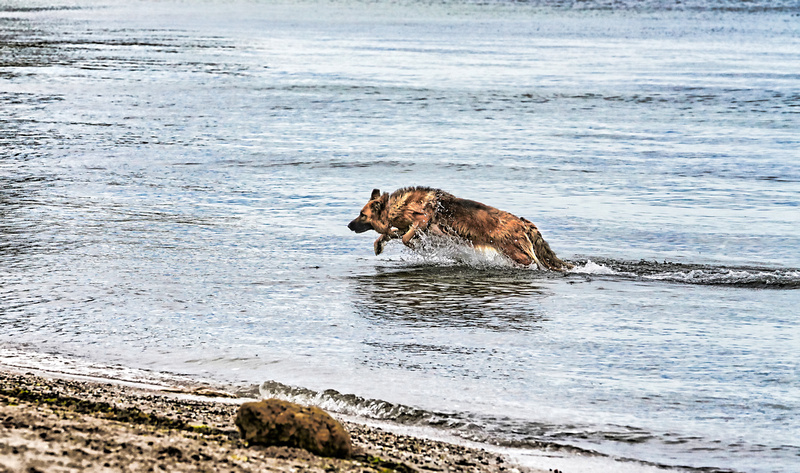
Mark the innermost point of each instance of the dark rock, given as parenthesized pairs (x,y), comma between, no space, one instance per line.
(275,422)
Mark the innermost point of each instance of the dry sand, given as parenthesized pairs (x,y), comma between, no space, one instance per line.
(50,424)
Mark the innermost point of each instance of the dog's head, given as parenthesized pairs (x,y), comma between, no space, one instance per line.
(370,216)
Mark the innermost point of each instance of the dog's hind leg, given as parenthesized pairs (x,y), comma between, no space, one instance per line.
(545,257)
(519,255)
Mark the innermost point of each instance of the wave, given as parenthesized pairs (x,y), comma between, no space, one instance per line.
(350,404)
(437,252)
(464,425)
(687,273)
(504,432)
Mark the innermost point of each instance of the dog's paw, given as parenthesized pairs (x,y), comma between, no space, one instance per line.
(379,244)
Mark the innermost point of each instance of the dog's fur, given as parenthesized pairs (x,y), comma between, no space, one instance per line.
(412,211)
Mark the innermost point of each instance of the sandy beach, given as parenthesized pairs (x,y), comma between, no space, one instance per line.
(54,424)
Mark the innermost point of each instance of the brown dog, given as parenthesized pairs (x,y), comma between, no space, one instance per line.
(412,211)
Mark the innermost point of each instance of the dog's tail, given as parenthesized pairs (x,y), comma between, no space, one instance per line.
(543,255)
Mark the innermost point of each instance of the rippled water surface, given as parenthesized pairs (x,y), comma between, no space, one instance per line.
(176,180)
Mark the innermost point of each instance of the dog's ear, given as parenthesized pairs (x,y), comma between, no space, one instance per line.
(378,201)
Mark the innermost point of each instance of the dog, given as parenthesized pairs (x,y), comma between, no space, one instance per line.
(410,212)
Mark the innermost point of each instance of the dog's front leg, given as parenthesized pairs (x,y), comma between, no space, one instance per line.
(435,229)
(421,222)
(380,243)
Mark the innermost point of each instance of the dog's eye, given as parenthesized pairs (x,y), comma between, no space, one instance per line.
(362,215)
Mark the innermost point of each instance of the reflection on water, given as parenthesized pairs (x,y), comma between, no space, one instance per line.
(452,296)
(450,322)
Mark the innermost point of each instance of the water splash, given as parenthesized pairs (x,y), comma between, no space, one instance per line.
(439,251)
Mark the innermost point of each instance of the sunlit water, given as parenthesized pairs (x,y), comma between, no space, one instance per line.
(176,180)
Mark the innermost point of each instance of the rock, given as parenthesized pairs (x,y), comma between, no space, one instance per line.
(275,422)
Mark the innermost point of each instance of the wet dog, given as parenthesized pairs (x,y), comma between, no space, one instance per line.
(413,211)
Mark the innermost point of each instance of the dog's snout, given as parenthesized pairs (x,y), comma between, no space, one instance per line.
(359,227)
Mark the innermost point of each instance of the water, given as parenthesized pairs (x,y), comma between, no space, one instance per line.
(176,180)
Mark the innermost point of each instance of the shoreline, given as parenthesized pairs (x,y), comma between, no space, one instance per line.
(56,422)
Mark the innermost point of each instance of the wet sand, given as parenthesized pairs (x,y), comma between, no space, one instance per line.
(52,424)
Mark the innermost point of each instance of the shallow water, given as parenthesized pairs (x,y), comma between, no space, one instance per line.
(176,180)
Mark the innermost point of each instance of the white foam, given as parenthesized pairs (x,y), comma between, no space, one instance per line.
(592,268)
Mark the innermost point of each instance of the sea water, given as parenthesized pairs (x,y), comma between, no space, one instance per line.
(176,179)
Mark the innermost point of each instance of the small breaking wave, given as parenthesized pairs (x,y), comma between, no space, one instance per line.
(467,426)
(685,273)
(350,404)
(578,441)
